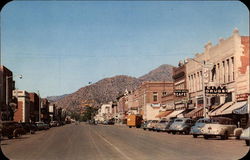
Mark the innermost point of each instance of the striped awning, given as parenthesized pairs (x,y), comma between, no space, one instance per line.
(220,110)
(242,109)
(163,114)
(197,112)
(174,113)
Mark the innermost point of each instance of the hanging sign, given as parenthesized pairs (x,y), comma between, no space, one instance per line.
(213,90)
(180,92)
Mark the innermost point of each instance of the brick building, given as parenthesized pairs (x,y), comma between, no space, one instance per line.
(34,107)
(22,113)
(6,87)
(229,68)
(45,110)
(150,97)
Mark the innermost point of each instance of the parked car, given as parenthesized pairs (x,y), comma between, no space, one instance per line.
(151,125)
(237,132)
(196,129)
(161,125)
(11,129)
(111,121)
(144,124)
(54,124)
(181,125)
(219,126)
(29,127)
(42,126)
(246,135)
(170,122)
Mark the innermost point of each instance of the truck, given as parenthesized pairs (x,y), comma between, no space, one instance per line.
(134,120)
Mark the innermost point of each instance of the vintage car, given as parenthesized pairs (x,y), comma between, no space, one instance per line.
(181,125)
(163,125)
(219,126)
(246,135)
(42,126)
(145,124)
(29,127)
(54,124)
(196,129)
(170,122)
(11,129)
(151,125)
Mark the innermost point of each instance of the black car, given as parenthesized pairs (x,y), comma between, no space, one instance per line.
(29,127)
(11,129)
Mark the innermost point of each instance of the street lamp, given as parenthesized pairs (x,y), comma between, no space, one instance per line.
(39,105)
(205,76)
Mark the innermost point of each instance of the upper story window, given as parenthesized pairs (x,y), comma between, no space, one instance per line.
(155,96)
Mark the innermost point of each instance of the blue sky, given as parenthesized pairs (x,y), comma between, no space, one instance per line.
(60,46)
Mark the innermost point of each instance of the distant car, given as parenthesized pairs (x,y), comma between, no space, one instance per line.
(161,125)
(54,124)
(219,126)
(11,129)
(196,129)
(29,127)
(42,126)
(151,125)
(144,124)
(246,135)
(111,121)
(181,125)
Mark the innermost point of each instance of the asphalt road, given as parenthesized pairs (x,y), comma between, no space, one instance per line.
(103,142)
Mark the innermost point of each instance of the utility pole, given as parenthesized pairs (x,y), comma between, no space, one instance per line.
(205,80)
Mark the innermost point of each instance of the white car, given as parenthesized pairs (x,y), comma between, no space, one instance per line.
(219,126)
(246,135)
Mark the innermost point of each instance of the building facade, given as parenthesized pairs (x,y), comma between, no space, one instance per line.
(34,107)
(22,113)
(6,88)
(225,65)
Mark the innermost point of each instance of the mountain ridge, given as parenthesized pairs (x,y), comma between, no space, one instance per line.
(108,89)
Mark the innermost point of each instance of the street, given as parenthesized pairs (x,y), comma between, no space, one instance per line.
(95,142)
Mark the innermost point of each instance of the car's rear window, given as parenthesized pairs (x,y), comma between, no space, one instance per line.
(178,120)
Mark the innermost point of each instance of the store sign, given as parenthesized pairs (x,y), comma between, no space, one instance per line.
(180,92)
(213,90)
(242,97)
(155,105)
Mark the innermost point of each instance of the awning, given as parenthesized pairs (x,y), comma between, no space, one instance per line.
(197,112)
(220,110)
(163,114)
(174,113)
(242,109)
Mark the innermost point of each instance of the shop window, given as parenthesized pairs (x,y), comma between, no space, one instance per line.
(215,100)
(229,97)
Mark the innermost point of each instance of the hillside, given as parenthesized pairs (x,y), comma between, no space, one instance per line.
(108,89)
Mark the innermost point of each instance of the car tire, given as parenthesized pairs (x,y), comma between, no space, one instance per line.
(247,142)
(173,132)
(206,136)
(10,136)
(130,126)
(195,136)
(144,129)
(16,134)
(225,136)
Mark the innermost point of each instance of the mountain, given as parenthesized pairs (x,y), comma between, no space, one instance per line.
(56,98)
(108,89)
(162,73)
